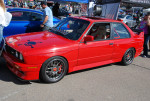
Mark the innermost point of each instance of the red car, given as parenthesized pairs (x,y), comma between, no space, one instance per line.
(75,43)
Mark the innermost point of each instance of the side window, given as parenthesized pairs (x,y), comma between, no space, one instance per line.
(119,31)
(36,17)
(100,31)
(130,18)
(20,16)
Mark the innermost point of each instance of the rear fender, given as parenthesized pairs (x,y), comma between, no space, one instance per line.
(141,35)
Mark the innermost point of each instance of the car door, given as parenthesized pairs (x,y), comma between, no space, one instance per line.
(98,50)
(19,23)
(122,40)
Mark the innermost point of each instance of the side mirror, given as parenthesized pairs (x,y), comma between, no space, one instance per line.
(88,38)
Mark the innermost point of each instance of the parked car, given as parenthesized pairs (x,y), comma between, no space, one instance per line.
(25,21)
(76,43)
(128,20)
(62,13)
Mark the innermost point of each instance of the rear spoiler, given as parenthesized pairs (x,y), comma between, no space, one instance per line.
(137,31)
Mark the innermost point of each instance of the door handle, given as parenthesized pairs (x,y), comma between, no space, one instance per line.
(111,43)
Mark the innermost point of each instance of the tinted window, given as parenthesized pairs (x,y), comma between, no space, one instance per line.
(129,17)
(20,16)
(100,31)
(119,31)
(36,17)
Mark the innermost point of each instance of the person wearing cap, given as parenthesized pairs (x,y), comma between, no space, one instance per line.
(47,17)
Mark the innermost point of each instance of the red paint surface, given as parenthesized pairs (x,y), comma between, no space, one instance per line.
(79,55)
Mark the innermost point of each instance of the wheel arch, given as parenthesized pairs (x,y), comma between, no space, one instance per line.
(57,56)
(123,58)
(44,78)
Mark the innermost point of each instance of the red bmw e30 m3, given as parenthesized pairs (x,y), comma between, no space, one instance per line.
(75,43)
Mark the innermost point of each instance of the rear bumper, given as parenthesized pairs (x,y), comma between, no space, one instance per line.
(23,71)
(138,52)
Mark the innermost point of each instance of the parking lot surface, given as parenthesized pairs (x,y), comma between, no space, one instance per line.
(112,82)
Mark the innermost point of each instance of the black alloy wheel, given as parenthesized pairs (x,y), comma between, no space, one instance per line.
(128,57)
(53,69)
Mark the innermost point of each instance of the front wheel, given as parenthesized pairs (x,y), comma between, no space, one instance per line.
(53,69)
(128,57)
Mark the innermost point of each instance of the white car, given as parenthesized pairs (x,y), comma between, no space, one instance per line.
(128,20)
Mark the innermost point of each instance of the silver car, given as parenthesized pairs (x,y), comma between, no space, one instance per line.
(128,20)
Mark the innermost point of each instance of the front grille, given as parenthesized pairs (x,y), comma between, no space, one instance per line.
(13,52)
(10,50)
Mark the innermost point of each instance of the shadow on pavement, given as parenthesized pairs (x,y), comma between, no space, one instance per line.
(84,70)
(7,76)
(92,68)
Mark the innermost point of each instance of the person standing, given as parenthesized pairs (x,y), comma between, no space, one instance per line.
(21,4)
(9,3)
(56,9)
(47,17)
(2,18)
(147,37)
(2,23)
(145,26)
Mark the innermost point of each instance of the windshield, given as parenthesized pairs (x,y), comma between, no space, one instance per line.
(121,16)
(70,28)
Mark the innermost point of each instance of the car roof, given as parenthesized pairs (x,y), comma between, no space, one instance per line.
(24,9)
(96,19)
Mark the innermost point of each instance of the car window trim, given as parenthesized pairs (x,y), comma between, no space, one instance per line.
(124,27)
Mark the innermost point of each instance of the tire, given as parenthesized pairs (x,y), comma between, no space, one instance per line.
(128,57)
(53,69)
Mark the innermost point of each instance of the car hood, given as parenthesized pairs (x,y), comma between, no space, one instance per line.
(42,41)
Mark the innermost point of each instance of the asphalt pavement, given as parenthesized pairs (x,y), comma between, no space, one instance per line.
(112,82)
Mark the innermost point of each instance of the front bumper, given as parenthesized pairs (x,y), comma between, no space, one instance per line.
(23,71)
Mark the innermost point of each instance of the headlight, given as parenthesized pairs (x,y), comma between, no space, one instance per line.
(16,54)
(21,57)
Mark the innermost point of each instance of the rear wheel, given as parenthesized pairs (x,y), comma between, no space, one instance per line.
(53,69)
(128,57)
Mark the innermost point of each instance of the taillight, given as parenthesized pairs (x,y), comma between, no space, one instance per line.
(120,20)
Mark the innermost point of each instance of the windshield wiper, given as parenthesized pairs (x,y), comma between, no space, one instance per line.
(60,32)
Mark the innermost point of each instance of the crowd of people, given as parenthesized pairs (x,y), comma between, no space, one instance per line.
(15,3)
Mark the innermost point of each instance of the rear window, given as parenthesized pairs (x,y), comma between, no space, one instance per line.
(119,31)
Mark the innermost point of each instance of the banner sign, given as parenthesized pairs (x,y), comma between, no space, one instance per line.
(110,10)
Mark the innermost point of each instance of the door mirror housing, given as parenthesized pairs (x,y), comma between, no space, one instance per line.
(88,38)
